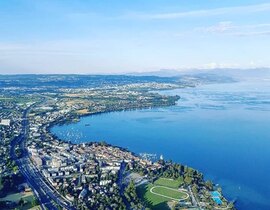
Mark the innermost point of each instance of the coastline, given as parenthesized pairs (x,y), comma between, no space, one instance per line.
(79,116)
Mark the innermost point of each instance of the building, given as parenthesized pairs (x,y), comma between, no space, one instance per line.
(37,160)
(83,194)
(5,122)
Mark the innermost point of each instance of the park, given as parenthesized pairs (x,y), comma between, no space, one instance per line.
(162,191)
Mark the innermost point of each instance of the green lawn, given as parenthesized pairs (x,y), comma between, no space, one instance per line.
(15,197)
(158,202)
(173,183)
(169,192)
(152,201)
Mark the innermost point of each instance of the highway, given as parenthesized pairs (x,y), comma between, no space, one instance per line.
(46,194)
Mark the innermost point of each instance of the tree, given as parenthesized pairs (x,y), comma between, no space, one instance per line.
(15,169)
(209,185)
(1,183)
(34,202)
(188,180)
(195,189)
(21,202)
(131,195)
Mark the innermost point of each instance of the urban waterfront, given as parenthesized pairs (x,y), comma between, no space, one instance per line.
(221,129)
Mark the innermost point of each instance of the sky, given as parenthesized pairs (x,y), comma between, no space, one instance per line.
(116,36)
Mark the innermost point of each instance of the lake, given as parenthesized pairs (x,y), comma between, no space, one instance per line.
(223,130)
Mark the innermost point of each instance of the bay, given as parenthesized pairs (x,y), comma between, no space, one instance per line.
(223,130)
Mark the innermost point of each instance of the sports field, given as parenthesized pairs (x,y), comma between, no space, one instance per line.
(163,190)
(169,193)
(173,183)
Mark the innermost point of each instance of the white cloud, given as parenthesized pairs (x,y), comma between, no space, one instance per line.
(221,27)
(216,65)
(252,33)
(228,28)
(206,13)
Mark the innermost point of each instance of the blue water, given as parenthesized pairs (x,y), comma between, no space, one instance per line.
(221,129)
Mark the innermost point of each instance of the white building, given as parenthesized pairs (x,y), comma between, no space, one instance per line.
(5,122)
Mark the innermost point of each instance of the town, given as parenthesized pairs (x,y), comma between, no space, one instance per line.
(94,175)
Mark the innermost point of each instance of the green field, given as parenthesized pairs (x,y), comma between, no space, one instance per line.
(169,182)
(159,202)
(177,195)
(152,201)
(15,197)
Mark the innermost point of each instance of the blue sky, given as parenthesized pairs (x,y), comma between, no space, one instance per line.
(114,36)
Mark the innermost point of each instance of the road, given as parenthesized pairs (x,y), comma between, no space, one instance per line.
(193,199)
(121,176)
(45,193)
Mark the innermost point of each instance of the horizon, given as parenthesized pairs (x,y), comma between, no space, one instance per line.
(149,73)
(63,37)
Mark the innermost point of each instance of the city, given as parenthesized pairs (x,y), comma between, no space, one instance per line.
(134,105)
(92,175)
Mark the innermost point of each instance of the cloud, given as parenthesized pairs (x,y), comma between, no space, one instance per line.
(254,33)
(228,28)
(215,65)
(205,13)
(221,27)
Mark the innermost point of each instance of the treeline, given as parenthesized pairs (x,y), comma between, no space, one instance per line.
(171,170)
(10,183)
(131,197)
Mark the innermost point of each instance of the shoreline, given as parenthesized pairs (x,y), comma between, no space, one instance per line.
(75,118)
(62,123)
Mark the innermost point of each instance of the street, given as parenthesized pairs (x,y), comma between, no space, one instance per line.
(45,193)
